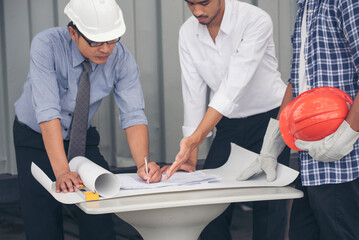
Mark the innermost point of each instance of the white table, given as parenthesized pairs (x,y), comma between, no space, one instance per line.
(181,215)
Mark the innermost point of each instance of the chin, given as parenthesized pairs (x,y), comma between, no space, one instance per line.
(99,61)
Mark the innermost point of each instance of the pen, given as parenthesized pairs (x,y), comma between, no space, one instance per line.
(148,181)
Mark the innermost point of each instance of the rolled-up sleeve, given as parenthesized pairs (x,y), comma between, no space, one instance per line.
(43,81)
(128,93)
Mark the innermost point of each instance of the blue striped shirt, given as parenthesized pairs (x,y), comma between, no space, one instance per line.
(51,87)
(332,59)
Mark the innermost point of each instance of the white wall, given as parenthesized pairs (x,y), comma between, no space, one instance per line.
(152,31)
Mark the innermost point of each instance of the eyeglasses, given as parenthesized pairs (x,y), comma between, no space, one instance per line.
(97,44)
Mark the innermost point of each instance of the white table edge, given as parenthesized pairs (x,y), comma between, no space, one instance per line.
(114,205)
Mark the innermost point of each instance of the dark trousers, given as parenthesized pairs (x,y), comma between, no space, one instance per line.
(269,217)
(326,212)
(42,214)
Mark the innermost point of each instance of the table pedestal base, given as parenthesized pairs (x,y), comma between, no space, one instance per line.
(177,223)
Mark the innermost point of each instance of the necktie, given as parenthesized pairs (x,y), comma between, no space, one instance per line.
(80,120)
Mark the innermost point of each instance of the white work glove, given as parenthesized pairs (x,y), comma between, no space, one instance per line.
(333,147)
(273,145)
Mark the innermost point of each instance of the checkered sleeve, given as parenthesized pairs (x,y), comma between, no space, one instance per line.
(348,17)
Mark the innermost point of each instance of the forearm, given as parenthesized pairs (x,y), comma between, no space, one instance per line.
(52,137)
(189,145)
(209,121)
(137,138)
(288,97)
(353,115)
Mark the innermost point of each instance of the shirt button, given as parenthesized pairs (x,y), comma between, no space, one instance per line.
(65,129)
(306,35)
(310,11)
(70,114)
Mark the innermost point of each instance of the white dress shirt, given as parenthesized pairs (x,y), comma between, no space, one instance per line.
(240,67)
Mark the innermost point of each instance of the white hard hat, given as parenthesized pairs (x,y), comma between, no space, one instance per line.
(98,20)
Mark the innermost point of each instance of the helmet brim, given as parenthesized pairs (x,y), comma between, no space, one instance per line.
(287,135)
(104,37)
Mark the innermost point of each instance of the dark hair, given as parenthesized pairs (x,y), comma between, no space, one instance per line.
(71,24)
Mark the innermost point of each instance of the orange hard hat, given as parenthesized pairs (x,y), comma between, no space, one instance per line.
(313,115)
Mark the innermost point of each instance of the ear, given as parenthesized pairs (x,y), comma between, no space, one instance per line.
(73,33)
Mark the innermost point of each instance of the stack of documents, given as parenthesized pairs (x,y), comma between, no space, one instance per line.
(131,182)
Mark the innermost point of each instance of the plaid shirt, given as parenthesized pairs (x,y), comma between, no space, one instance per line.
(332,59)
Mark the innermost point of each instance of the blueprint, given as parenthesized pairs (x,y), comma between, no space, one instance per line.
(222,177)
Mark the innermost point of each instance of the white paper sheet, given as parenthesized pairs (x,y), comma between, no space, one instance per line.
(239,159)
(132,182)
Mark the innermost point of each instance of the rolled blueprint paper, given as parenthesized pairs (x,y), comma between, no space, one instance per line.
(96,178)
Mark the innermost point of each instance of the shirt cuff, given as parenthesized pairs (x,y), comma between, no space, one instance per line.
(133,118)
(187,131)
(47,115)
(222,104)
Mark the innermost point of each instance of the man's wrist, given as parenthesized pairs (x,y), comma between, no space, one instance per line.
(195,139)
(62,171)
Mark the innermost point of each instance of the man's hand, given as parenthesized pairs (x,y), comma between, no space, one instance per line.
(154,172)
(333,147)
(182,160)
(137,138)
(52,136)
(189,166)
(66,181)
(273,145)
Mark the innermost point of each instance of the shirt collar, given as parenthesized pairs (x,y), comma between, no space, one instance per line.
(226,21)
(77,57)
